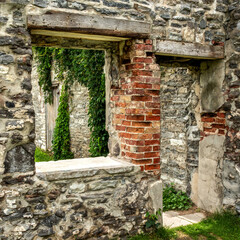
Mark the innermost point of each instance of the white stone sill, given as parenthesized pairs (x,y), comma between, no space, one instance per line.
(82,167)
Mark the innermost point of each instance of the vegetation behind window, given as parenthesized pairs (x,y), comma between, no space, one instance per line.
(86,68)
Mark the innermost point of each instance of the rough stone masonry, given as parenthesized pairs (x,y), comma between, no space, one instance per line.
(173,113)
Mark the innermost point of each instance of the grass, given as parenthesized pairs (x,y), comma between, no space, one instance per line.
(219,226)
(225,226)
(42,156)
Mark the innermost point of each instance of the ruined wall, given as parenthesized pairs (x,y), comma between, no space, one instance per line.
(82,204)
(135,107)
(177,20)
(79,130)
(16,111)
(179,131)
(231,160)
(40,110)
(78,108)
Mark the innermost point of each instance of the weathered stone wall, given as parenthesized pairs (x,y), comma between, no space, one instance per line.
(78,125)
(231,162)
(179,131)
(177,20)
(82,204)
(40,110)
(16,111)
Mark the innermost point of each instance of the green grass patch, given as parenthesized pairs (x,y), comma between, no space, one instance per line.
(42,156)
(225,226)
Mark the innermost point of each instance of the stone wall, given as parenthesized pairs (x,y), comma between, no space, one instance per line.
(179,130)
(40,110)
(177,20)
(231,160)
(79,130)
(100,203)
(133,81)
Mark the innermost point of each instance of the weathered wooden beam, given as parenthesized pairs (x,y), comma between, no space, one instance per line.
(76,35)
(189,50)
(94,24)
(72,43)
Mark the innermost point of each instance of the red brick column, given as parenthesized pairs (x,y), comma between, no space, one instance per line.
(213,124)
(137,106)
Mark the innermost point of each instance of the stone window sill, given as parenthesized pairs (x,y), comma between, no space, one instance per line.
(82,167)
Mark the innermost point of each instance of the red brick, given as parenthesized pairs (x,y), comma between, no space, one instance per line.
(153,80)
(125,135)
(135,91)
(221,131)
(152,167)
(156,148)
(120,104)
(142,85)
(134,155)
(120,128)
(135,142)
(142,161)
(156,111)
(120,116)
(135,66)
(221,115)
(153,118)
(156,160)
(151,154)
(144,149)
(119,92)
(156,86)
(156,99)
(135,130)
(221,126)
(126,123)
(210,130)
(152,105)
(148,41)
(206,119)
(142,98)
(142,60)
(145,136)
(153,92)
(135,117)
(152,142)
(142,73)
(221,120)
(143,47)
(115,98)
(156,136)
(142,124)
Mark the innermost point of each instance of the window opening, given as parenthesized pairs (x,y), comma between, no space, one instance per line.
(69,99)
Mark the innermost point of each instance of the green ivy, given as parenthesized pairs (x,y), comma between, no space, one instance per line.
(85,67)
(44,58)
(61,135)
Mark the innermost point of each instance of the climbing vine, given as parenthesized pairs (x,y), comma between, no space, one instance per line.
(85,67)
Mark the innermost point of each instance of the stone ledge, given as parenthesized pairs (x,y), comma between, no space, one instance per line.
(83,167)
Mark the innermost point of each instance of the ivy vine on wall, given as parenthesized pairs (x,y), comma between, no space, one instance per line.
(85,67)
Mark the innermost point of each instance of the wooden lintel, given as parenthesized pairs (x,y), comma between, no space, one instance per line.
(188,50)
(89,24)
(77,35)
